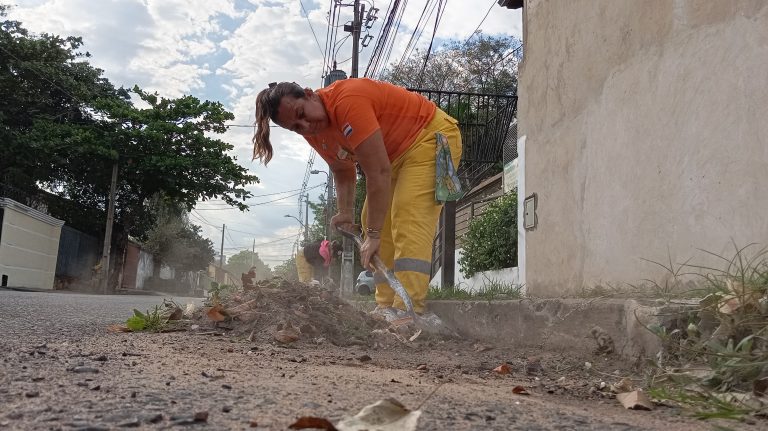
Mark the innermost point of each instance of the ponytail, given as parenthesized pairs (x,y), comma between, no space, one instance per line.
(267,104)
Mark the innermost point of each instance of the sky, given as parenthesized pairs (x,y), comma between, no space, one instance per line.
(228,51)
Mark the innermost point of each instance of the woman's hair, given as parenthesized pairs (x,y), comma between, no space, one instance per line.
(267,103)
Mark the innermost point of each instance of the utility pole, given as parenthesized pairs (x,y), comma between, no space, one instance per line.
(221,256)
(108,230)
(356,27)
(306,218)
(348,254)
(253,252)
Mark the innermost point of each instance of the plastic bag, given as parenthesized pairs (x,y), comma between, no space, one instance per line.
(447,184)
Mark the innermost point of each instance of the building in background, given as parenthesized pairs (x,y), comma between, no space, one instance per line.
(29,246)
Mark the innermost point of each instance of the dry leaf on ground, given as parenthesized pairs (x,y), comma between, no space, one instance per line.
(519,390)
(635,400)
(246,306)
(287,335)
(502,369)
(176,314)
(216,313)
(760,387)
(311,422)
(384,415)
(118,328)
(623,385)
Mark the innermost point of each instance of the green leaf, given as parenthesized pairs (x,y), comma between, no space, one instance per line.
(139,314)
(136,323)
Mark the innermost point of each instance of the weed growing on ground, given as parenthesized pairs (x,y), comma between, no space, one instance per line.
(491,290)
(152,320)
(715,357)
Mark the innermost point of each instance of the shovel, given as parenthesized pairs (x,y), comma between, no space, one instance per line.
(398,287)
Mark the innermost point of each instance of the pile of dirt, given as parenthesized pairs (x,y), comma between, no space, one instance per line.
(290,312)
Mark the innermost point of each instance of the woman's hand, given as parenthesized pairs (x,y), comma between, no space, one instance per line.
(342,220)
(370,247)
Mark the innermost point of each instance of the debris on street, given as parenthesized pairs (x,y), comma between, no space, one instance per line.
(291,312)
(635,400)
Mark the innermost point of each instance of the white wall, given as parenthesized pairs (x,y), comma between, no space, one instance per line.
(29,246)
(646,135)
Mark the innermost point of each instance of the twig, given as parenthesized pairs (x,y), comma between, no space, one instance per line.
(429,396)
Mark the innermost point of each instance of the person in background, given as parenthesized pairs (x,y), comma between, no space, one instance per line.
(396,136)
(313,260)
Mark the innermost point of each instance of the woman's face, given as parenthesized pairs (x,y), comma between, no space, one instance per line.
(305,116)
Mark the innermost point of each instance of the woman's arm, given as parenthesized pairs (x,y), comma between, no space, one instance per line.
(373,159)
(345,176)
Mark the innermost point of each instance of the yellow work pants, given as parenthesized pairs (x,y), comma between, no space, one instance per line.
(303,268)
(411,221)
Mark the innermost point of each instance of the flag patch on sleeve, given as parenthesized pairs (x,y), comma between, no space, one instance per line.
(347,130)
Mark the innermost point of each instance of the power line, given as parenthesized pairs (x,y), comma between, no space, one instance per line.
(438,18)
(306,15)
(493,3)
(302,191)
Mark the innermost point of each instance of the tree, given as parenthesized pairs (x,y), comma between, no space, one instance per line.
(483,64)
(287,270)
(242,262)
(174,241)
(63,125)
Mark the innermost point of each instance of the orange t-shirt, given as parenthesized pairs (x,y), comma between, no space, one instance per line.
(357,107)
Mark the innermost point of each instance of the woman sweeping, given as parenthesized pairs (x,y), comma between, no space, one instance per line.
(394,135)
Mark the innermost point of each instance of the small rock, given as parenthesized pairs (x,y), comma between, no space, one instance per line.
(422,367)
(32,394)
(130,423)
(84,369)
(201,417)
(155,418)
(230,350)
(533,366)
(226,386)
(38,379)
(253,423)
(226,409)
(133,394)
(101,358)
(96,388)
(587,365)
(561,380)
(364,358)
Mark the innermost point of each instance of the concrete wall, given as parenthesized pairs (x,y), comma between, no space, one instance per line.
(29,245)
(646,135)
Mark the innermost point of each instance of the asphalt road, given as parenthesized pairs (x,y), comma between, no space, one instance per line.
(61,369)
(52,314)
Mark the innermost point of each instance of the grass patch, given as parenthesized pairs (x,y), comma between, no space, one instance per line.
(715,356)
(490,291)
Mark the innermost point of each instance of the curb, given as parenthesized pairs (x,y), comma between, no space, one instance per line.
(558,325)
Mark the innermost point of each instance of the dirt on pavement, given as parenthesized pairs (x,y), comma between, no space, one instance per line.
(235,374)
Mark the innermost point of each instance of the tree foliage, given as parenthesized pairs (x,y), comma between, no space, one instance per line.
(63,125)
(287,270)
(491,241)
(174,241)
(482,64)
(241,262)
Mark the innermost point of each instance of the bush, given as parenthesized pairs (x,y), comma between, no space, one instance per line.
(491,241)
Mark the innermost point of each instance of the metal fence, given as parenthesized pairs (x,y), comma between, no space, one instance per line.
(484,120)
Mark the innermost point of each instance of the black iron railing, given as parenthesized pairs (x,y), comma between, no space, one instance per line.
(484,120)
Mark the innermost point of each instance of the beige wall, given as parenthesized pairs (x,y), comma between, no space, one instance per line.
(646,127)
(29,246)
